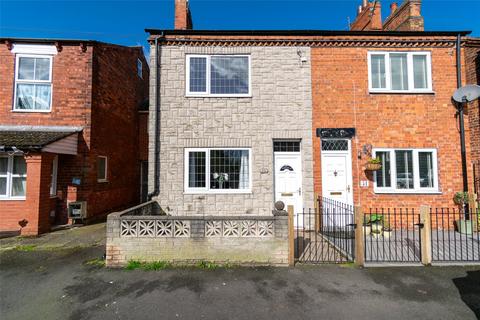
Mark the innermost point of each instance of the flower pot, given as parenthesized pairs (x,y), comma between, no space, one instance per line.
(376,235)
(367,230)
(387,233)
(464,226)
(376,227)
(373,166)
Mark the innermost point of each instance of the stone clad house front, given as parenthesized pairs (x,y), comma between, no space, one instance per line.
(223,142)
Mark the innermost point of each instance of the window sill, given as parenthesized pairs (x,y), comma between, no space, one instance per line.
(32,111)
(102,181)
(190,95)
(14,199)
(419,192)
(399,92)
(203,192)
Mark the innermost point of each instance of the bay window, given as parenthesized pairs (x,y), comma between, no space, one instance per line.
(406,171)
(217,170)
(13,177)
(399,72)
(33,83)
(218,75)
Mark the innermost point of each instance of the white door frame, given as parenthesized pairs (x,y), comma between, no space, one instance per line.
(349,173)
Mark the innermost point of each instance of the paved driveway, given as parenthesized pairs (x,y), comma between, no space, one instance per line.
(56,283)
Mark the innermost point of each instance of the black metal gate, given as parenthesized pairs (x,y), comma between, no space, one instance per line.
(325,234)
(392,235)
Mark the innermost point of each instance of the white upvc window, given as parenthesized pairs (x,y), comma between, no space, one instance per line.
(53,182)
(218,170)
(399,72)
(33,83)
(406,171)
(102,167)
(13,177)
(218,75)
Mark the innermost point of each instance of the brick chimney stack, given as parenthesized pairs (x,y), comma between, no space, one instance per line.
(183,18)
(369,17)
(407,17)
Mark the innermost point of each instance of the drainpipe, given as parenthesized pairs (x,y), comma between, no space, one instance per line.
(460,116)
(156,182)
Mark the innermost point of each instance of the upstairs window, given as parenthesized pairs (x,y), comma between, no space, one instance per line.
(406,171)
(218,75)
(33,83)
(399,72)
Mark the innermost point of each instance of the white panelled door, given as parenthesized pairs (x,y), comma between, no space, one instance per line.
(288,182)
(337,171)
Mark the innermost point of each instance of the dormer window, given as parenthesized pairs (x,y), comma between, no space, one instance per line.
(400,72)
(33,83)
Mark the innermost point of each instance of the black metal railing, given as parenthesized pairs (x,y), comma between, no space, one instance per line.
(325,234)
(455,235)
(392,235)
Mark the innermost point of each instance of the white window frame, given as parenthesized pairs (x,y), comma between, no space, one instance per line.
(53,182)
(207,93)
(411,88)
(416,172)
(10,177)
(20,81)
(207,189)
(105,178)
(139,68)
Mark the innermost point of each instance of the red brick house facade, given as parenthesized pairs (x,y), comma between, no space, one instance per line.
(472,60)
(69,130)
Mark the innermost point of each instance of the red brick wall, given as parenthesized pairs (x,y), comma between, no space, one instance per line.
(341,99)
(143,135)
(117,94)
(472,58)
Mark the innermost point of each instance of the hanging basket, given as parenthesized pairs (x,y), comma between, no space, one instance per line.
(373,166)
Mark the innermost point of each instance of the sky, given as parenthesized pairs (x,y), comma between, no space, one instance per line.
(123,21)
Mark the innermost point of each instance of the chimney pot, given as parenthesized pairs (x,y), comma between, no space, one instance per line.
(393,7)
(364,4)
(359,9)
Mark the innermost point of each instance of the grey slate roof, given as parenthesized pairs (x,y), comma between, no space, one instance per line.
(30,139)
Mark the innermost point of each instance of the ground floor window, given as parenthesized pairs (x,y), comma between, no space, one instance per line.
(218,170)
(406,170)
(13,177)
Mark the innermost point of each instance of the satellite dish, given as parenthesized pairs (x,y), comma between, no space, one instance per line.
(469,92)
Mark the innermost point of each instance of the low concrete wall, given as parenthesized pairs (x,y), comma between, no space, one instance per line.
(251,240)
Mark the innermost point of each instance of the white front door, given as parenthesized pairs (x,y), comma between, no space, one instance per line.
(337,171)
(288,182)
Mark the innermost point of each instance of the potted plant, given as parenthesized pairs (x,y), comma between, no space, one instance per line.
(376,222)
(463,225)
(367,227)
(374,164)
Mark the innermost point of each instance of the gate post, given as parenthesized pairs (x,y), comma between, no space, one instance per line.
(426,235)
(291,237)
(359,239)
